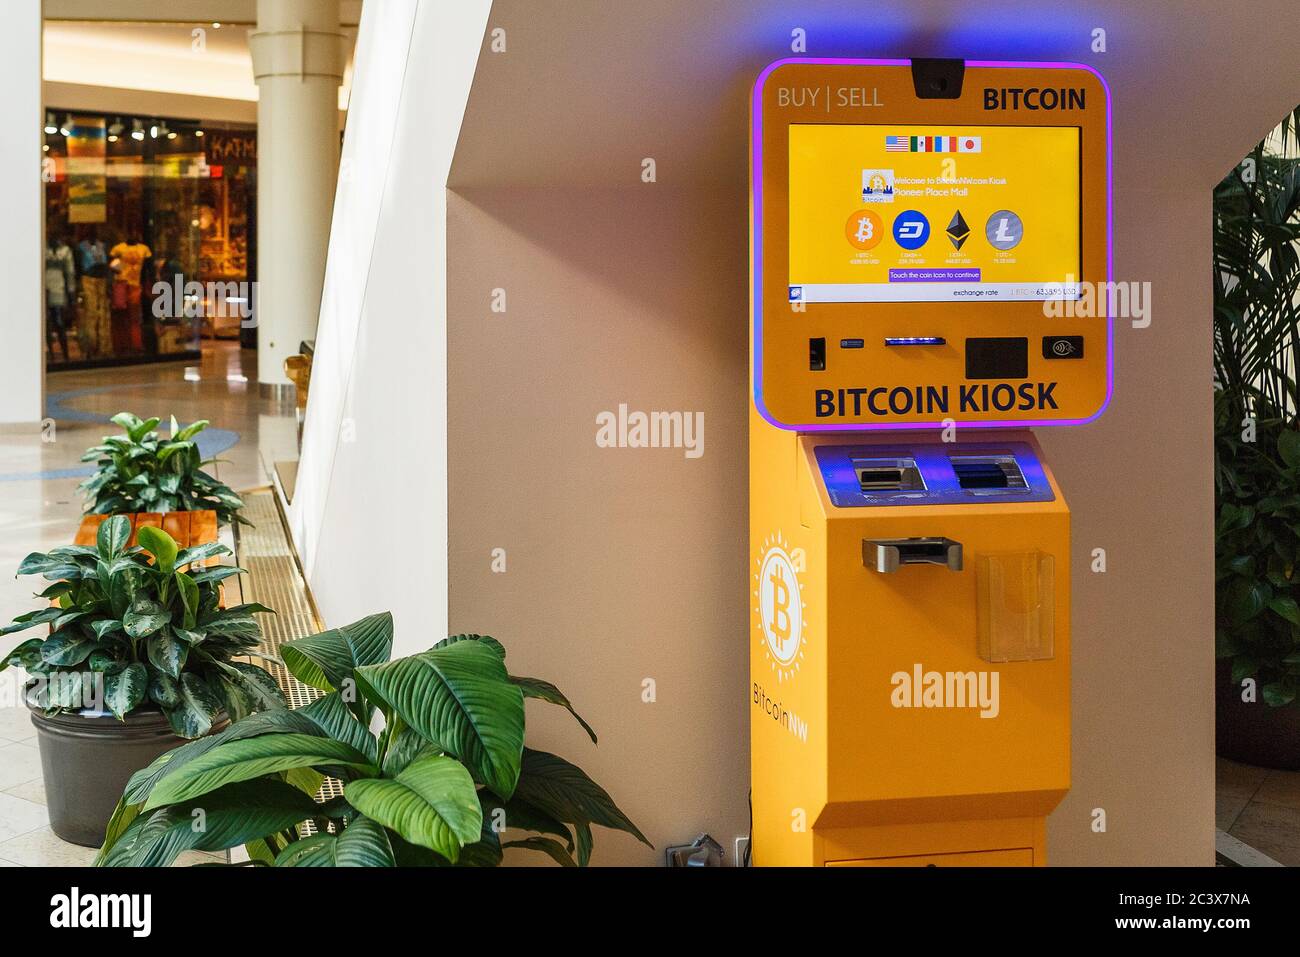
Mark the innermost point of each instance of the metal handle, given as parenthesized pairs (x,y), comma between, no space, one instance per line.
(886,554)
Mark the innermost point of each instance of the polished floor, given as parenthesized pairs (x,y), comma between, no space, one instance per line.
(40,508)
(1261,808)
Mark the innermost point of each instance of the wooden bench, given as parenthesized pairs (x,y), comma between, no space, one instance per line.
(188,528)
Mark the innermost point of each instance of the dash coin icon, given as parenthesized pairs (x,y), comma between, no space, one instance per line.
(911,229)
(864,230)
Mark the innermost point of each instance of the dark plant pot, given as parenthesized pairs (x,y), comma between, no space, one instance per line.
(86,762)
(1254,733)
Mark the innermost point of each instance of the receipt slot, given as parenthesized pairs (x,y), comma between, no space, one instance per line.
(923,235)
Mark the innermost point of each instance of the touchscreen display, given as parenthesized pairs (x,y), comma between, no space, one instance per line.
(933,213)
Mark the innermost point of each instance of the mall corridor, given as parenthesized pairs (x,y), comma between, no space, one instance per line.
(39,473)
(40,508)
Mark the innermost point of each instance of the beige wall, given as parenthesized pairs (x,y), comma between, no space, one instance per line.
(626,565)
(621,564)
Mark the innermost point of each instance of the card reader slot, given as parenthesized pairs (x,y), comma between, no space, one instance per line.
(888,474)
(887,555)
(991,472)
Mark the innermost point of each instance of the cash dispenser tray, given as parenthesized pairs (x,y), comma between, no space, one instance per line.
(886,555)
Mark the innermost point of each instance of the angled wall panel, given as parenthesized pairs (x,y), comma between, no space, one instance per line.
(371,488)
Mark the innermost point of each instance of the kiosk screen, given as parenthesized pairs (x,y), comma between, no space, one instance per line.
(933,213)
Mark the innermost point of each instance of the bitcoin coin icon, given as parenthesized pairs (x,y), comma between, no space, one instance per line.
(864,230)
(780,606)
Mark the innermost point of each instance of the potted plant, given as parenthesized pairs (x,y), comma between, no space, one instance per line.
(438,784)
(139,657)
(1257,455)
(140,471)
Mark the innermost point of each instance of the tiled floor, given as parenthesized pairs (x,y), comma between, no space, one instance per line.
(40,508)
(1260,807)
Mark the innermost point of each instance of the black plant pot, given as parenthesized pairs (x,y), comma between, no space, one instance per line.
(1254,733)
(87,761)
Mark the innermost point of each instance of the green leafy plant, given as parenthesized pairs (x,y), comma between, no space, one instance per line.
(140,471)
(140,627)
(1257,445)
(436,786)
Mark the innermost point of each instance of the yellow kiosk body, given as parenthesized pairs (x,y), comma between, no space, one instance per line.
(925,239)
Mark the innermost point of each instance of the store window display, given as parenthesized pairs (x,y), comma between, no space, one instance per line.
(151,210)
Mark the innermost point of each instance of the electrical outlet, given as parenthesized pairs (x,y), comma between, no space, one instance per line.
(741,844)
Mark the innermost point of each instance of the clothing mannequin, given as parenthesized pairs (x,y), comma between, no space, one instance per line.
(60,293)
(127,259)
(94,324)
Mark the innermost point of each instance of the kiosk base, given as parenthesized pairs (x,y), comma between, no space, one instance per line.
(909,649)
(1019,842)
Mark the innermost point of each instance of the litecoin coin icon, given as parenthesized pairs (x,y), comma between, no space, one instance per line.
(1004,230)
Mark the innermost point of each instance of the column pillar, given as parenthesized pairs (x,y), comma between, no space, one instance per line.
(22,359)
(297,52)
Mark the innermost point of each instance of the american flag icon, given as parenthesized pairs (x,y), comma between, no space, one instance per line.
(897,144)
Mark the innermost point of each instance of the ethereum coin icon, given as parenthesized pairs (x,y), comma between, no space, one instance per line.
(958,232)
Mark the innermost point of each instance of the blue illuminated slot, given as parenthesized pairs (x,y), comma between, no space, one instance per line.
(915,341)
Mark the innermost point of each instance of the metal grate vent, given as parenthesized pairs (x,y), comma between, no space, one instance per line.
(275,580)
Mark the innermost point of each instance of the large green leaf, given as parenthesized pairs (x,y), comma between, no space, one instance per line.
(198,707)
(49,566)
(248,689)
(363,843)
(564,792)
(327,660)
(460,698)
(125,689)
(167,653)
(145,617)
(67,648)
(30,647)
(250,758)
(519,815)
(188,589)
(201,552)
(191,430)
(432,803)
(232,815)
(160,545)
(113,535)
(545,691)
(143,781)
(546,845)
(31,619)
(485,639)
(127,421)
(334,719)
(404,746)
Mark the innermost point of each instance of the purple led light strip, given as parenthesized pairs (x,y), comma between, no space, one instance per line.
(757,292)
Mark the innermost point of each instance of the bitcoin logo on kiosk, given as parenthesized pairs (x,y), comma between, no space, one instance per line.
(917,226)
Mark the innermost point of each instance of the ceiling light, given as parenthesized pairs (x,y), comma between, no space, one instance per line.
(137,130)
(198,132)
(115,128)
(50,128)
(216,25)
(153,131)
(112,137)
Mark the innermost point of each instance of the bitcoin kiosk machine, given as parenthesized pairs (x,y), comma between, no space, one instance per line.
(923,232)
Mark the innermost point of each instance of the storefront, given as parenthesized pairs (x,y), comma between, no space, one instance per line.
(150,237)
